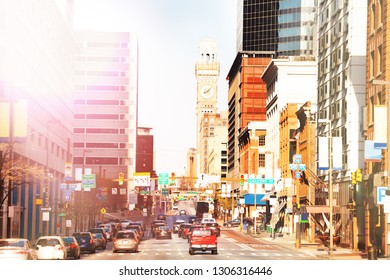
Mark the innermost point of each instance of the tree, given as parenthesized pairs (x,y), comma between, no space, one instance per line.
(17,171)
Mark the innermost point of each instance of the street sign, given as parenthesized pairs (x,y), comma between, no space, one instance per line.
(68,171)
(103,210)
(142,179)
(46,209)
(164,191)
(163,178)
(260,181)
(88,181)
(297,158)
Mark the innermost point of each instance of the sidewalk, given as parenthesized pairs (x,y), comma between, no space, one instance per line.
(317,249)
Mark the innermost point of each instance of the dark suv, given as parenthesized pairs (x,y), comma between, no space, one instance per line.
(85,240)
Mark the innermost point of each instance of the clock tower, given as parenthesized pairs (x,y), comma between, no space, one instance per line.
(207,75)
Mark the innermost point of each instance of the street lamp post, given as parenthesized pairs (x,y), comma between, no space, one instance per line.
(386,83)
(330,190)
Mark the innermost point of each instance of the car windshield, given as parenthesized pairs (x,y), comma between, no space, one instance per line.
(4,243)
(212,224)
(123,235)
(48,242)
(201,233)
(68,240)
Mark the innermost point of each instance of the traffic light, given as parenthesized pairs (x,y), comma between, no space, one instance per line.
(353,177)
(121,178)
(173,177)
(359,177)
(242,180)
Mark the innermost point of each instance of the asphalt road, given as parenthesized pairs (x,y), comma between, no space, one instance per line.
(231,246)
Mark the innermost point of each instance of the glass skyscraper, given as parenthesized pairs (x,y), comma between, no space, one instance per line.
(284,27)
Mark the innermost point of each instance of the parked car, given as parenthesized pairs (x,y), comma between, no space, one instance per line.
(176,225)
(163,232)
(51,248)
(125,240)
(85,240)
(17,249)
(99,241)
(203,240)
(215,227)
(72,247)
(237,221)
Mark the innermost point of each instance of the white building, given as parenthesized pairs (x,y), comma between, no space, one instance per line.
(289,80)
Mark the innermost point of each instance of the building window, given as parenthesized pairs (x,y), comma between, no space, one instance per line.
(102,145)
(102,102)
(78,130)
(103,88)
(380,65)
(261,160)
(262,140)
(102,117)
(102,130)
(372,69)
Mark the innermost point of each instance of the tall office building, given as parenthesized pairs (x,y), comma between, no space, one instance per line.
(341,92)
(286,28)
(105,102)
(36,45)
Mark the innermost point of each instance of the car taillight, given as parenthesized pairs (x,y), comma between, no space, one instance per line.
(60,248)
(72,246)
(91,241)
(22,252)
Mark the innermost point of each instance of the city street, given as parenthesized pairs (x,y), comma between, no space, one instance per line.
(231,246)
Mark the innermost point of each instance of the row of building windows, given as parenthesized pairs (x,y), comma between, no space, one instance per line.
(101,73)
(101,145)
(102,117)
(99,102)
(109,59)
(99,131)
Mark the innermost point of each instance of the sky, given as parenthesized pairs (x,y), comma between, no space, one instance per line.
(169,32)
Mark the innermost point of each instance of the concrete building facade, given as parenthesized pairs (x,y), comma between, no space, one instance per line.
(105,103)
(36,46)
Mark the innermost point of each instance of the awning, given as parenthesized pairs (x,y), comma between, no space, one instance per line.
(249,199)
(317,209)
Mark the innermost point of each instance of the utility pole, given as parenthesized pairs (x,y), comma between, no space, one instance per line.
(11,155)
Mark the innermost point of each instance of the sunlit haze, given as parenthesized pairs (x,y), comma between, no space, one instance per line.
(169,33)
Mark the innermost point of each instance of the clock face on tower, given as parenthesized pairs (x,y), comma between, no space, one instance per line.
(207,91)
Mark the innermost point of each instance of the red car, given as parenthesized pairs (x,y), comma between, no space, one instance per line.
(185,231)
(203,240)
